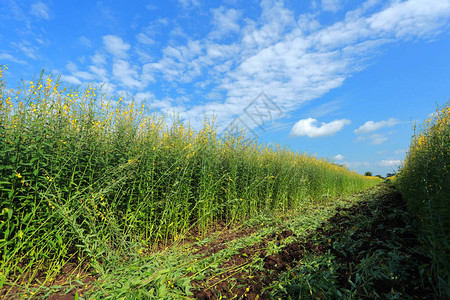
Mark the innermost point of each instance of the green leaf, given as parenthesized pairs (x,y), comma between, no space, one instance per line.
(36,172)
(162,291)
(76,296)
(27,216)
(59,238)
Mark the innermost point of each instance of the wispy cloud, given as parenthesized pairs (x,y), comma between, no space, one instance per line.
(40,10)
(378,139)
(187,4)
(145,39)
(356,164)
(71,79)
(312,128)
(6,56)
(324,109)
(85,41)
(331,5)
(371,126)
(390,163)
(339,157)
(225,21)
(292,58)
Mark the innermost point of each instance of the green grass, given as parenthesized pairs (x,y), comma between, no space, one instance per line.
(175,272)
(89,178)
(424,181)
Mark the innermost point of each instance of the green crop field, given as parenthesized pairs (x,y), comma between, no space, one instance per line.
(101,198)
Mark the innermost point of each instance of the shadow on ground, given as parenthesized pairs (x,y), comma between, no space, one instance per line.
(368,250)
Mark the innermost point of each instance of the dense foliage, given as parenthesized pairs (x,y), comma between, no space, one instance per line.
(86,175)
(425,183)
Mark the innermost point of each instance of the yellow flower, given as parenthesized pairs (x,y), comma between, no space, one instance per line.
(20,234)
(18,175)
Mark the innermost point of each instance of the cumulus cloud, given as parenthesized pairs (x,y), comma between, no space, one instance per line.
(40,10)
(312,128)
(371,126)
(116,46)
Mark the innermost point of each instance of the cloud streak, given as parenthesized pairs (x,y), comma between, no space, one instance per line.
(390,163)
(40,10)
(371,126)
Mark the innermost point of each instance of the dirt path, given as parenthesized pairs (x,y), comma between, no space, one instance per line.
(366,250)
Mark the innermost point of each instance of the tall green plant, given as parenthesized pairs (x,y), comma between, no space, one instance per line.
(95,177)
(425,183)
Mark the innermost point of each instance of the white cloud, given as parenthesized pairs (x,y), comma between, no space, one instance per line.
(71,79)
(27,48)
(339,157)
(225,21)
(116,46)
(6,56)
(85,41)
(378,139)
(390,163)
(99,72)
(331,5)
(83,75)
(179,64)
(144,96)
(126,74)
(311,128)
(324,109)
(72,67)
(40,10)
(400,151)
(370,126)
(411,18)
(98,59)
(189,3)
(145,39)
(356,164)
(292,58)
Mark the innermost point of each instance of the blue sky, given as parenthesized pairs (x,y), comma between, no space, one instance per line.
(339,79)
